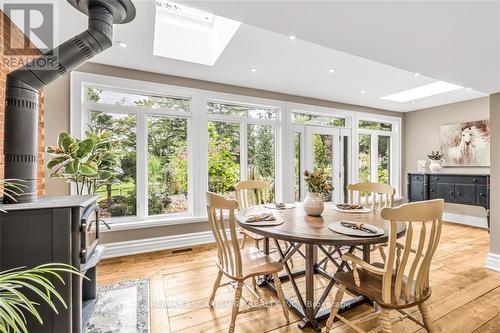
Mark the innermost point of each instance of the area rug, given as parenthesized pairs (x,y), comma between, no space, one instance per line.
(121,308)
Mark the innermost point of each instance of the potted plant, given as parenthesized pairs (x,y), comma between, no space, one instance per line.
(436,161)
(91,163)
(317,185)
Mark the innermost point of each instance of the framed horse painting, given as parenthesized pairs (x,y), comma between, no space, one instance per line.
(466,144)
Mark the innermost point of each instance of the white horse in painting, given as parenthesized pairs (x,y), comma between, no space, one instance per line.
(472,149)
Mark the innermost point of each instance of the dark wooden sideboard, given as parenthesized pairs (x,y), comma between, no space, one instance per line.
(454,188)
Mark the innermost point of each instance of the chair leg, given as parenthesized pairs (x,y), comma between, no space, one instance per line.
(243,240)
(335,307)
(382,253)
(386,321)
(214,290)
(425,316)
(281,296)
(236,306)
(254,283)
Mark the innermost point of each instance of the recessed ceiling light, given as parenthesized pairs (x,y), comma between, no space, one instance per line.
(122,44)
(413,102)
(469,89)
(254,70)
(331,70)
(363,92)
(292,37)
(416,74)
(427,90)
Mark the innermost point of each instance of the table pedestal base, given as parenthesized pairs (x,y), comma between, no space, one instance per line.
(309,310)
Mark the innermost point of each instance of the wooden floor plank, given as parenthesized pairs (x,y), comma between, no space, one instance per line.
(466,296)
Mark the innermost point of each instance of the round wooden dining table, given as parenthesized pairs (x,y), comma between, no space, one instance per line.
(307,236)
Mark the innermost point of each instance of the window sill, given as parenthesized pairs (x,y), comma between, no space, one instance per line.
(162,221)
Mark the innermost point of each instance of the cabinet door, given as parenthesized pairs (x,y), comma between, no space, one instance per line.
(482,195)
(445,191)
(417,191)
(465,193)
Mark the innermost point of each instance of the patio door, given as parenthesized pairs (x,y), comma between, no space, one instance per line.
(327,149)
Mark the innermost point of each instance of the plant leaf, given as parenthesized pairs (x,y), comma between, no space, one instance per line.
(85,148)
(65,140)
(88,169)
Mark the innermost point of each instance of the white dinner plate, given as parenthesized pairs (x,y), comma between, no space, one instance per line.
(272,206)
(339,228)
(262,223)
(363,210)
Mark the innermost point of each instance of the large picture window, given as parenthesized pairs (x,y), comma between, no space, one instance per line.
(167,165)
(376,152)
(118,200)
(235,126)
(223,156)
(176,143)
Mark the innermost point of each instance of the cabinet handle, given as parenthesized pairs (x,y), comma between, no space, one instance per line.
(458,193)
(474,180)
(451,192)
(481,194)
(436,178)
(432,190)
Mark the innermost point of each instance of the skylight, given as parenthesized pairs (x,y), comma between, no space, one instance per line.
(189,34)
(188,12)
(427,90)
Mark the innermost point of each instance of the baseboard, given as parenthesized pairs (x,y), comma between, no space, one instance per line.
(119,249)
(474,221)
(493,261)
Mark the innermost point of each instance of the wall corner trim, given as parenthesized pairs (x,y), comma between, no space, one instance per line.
(119,249)
(493,261)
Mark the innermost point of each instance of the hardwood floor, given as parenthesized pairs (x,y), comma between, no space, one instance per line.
(465,297)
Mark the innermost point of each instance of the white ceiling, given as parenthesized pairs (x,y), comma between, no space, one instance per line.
(374,46)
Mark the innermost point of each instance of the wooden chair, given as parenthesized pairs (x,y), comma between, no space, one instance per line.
(252,193)
(371,195)
(374,196)
(403,281)
(238,264)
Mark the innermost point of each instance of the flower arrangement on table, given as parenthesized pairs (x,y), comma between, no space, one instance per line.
(317,182)
(318,185)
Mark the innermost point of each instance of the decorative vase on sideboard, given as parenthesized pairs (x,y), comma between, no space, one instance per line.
(313,204)
(436,165)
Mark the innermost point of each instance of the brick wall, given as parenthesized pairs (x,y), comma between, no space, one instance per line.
(8,64)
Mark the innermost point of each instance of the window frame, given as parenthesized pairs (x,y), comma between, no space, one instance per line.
(395,148)
(197,119)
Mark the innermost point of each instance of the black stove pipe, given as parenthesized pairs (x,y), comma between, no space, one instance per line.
(24,84)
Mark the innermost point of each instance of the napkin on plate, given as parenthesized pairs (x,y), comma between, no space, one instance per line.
(260,217)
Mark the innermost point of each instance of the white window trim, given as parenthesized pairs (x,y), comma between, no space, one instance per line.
(395,152)
(198,118)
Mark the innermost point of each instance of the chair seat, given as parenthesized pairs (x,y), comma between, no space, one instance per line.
(371,287)
(251,235)
(254,263)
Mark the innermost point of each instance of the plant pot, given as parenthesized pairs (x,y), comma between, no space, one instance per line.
(436,165)
(313,204)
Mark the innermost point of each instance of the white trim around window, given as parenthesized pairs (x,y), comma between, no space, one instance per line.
(197,118)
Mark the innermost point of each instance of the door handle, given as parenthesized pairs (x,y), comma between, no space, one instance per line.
(458,194)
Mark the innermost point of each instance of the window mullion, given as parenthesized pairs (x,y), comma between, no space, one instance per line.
(374,158)
(243,151)
(142,165)
(198,160)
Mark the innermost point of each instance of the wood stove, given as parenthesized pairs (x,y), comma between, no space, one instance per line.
(56,229)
